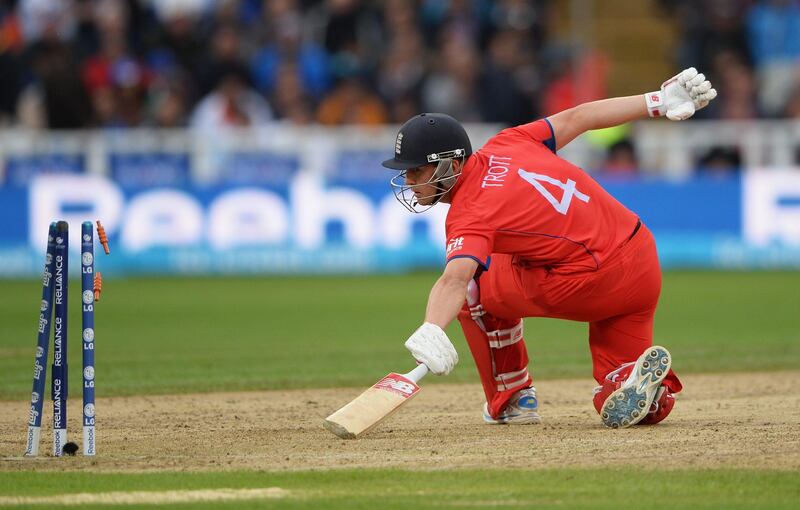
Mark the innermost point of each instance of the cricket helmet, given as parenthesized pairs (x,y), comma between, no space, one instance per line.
(425,139)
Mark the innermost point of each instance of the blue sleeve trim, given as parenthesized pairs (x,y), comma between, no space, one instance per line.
(550,143)
(485,265)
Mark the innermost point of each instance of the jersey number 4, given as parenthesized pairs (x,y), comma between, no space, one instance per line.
(569,188)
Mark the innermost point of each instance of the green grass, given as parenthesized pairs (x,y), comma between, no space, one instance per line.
(160,335)
(396,489)
(157,335)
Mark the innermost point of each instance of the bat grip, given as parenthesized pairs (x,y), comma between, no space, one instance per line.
(417,374)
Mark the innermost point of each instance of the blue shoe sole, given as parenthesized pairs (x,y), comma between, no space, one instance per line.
(630,403)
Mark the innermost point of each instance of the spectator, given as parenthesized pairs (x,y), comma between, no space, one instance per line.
(403,108)
(11,65)
(115,79)
(226,13)
(720,162)
(86,39)
(55,98)
(186,9)
(465,19)
(792,110)
(709,27)
(522,16)
(621,161)
(168,107)
(46,19)
(737,98)
(576,81)
(451,86)
(284,46)
(402,72)
(506,89)
(178,44)
(289,97)
(225,53)
(399,19)
(351,35)
(352,102)
(232,103)
(774,30)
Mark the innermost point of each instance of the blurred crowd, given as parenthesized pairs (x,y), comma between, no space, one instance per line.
(203,63)
(68,64)
(751,48)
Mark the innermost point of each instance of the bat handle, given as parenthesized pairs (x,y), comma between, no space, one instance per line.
(418,373)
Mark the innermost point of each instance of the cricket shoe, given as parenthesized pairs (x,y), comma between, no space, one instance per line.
(630,403)
(522,408)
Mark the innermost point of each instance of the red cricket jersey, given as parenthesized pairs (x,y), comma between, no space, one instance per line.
(516,196)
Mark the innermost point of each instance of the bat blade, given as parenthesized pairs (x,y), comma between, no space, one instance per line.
(373,406)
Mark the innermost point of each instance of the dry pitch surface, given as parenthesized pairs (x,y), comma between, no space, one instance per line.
(731,420)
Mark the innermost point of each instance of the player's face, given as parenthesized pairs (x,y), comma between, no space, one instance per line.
(418,179)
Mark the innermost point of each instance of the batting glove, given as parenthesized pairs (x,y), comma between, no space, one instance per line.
(429,345)
(681,96)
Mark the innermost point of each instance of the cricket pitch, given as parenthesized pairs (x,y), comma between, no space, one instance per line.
(747,420)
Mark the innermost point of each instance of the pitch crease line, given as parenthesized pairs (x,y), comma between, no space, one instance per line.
(147,497)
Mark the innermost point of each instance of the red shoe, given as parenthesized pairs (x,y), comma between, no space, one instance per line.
(634,394)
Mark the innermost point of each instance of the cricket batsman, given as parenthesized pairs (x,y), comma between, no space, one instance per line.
(531,235)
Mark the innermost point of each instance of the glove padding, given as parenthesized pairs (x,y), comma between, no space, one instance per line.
(429,345)
(681,96)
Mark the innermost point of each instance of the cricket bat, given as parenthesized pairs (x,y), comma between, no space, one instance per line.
(376,404)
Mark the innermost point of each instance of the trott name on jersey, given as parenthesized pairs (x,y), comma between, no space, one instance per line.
(496,172)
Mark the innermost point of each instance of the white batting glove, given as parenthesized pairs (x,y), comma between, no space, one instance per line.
(681,96)
(429,345)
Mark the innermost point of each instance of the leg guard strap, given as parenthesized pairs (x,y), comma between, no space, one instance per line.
(513,380)
(500,338)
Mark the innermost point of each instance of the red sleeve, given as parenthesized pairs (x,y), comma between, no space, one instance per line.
(540,131)
(473,239)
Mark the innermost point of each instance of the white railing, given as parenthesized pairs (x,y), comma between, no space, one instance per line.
(674,148)
(667,148)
